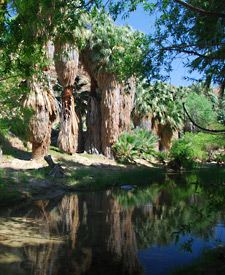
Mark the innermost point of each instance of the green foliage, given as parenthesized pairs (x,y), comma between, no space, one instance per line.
(204,144)
(114,48)
(198,33)
(181,154)
(210,262)
(199,146)
(160,101)
(135,144)
(200,109)
(221,112)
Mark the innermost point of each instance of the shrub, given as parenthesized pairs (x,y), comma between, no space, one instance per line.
(136,144)
(204,144)
(195,146)
(181,154)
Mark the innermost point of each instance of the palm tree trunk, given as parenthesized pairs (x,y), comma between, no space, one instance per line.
(93,121)
(68,136)
(116,107)
(110,114)
(66,64)
(43,102)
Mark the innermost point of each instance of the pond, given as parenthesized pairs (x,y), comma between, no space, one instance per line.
(144,229)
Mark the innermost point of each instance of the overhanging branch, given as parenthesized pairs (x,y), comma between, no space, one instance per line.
(204,12)
(202,128)
(183,49)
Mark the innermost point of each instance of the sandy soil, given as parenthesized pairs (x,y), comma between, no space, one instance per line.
(18,161)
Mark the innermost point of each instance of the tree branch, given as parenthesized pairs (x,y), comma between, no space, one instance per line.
(181,48)
(183,51)
(85,5)
(204,12)
(204,129)
(5,78)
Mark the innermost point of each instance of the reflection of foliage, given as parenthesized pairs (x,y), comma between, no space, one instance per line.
(138,143)
(210,262)
(136,197)
(182,204)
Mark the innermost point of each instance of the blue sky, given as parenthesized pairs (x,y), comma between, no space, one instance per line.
(142,21)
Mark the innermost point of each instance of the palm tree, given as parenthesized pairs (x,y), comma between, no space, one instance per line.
(159,103)
(104,56)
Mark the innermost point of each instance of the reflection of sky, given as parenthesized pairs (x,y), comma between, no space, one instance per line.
(142,21)
(158,260)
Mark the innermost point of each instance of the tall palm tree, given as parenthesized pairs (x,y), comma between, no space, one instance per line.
(161,105)
(107,52)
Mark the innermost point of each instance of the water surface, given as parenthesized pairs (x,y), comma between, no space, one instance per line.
(143,230)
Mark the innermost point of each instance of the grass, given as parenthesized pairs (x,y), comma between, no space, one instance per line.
(211,262)
(8,188)
(101,178)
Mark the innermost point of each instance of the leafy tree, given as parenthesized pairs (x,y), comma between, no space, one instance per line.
(192,29)
(201,111)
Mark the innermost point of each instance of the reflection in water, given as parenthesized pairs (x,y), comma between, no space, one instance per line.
(111,232)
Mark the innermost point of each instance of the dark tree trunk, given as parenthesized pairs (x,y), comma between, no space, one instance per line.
(66,64)
(126,105)
(110,114)
(93,121)
(143,122)
(41,149)
(68,136)
(116,107)
(80,147)
(165,134)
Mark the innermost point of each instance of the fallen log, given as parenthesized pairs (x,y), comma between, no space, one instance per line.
(57,171)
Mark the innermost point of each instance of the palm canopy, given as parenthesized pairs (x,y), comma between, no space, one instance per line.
(160,101)
(114,49)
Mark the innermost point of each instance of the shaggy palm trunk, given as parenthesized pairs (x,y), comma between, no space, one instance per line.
(68,136)
(143,122)
(165,134)
(44,104)
(126,105)
(93,121)
(116,107)
(66,64)
(114,117)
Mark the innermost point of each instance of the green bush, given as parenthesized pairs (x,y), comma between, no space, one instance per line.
(203,144)
(195,146)
(136,144)
(181,154)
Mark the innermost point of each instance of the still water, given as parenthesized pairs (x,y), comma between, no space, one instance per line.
(143,230)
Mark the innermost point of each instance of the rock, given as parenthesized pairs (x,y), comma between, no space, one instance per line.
(126,187)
